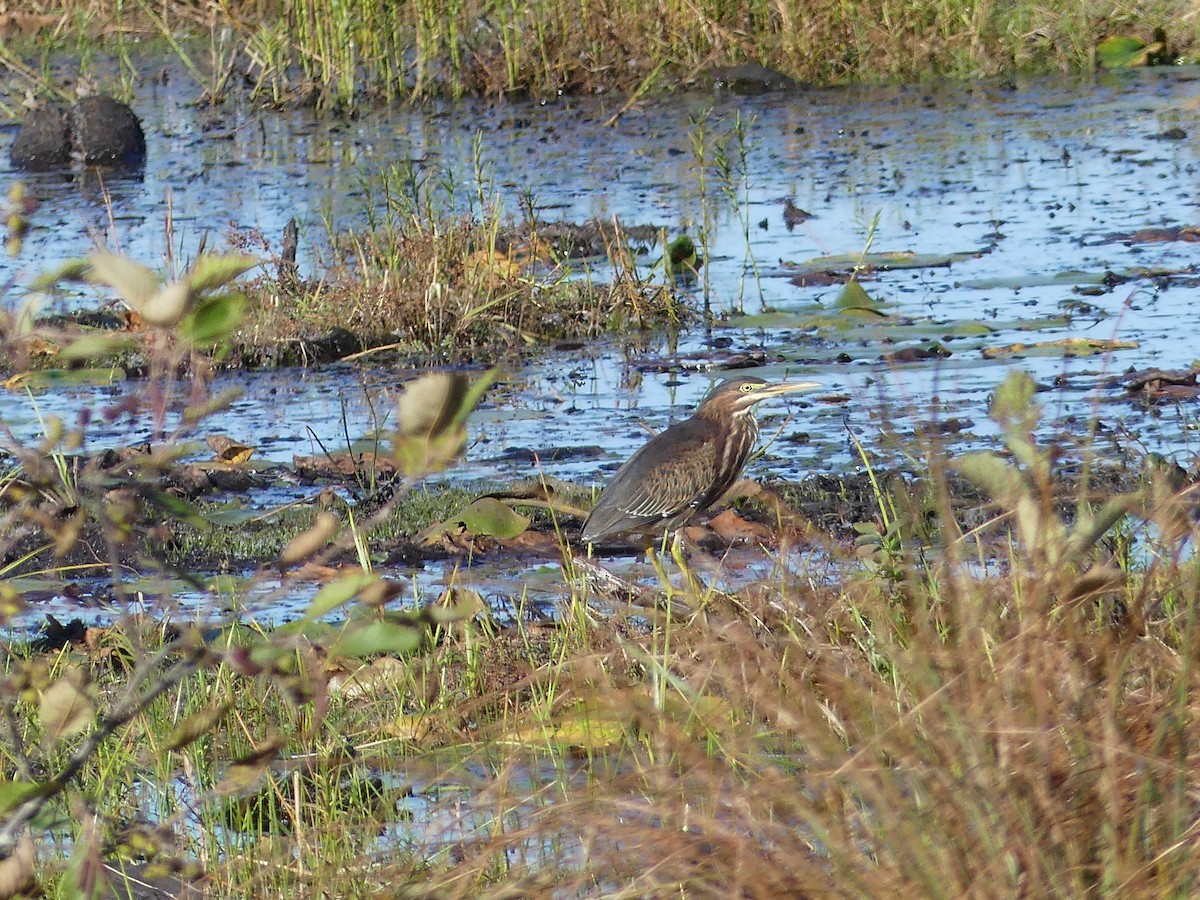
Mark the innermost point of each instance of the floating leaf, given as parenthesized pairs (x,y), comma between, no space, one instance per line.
(848,262)
(1064,346)
(854,296)
(584,727)
(1036,279)
(485,516)
(48,379)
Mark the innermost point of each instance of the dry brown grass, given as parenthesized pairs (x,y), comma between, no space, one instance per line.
(460,287)
(346,51)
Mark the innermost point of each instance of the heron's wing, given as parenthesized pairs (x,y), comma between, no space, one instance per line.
(671,476)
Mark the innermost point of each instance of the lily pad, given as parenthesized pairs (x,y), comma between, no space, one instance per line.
(485,516)
(58,378)
(854,297)
(1063,347)
(1034,279)
(882,261)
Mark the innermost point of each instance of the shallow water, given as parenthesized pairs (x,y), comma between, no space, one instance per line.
(1032,175)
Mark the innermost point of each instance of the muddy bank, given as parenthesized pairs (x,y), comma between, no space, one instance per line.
(232,520)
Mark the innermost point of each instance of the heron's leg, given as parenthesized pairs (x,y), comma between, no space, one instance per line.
(692,582)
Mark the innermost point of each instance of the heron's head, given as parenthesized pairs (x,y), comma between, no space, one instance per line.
(738,395)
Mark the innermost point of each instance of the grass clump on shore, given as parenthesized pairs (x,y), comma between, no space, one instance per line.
(345,52)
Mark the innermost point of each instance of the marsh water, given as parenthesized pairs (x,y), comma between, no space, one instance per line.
(1001,213)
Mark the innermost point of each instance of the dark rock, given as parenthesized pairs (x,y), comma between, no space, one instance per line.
(106,132)
(751,78)
(44,141)
(97,130)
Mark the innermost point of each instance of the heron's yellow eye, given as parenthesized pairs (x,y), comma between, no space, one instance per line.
(747,388)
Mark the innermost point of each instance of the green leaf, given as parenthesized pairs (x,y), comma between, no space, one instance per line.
(56,378)
(14,793)
(136,283)
(474,394)
(377,637)
(180,510)
(337,593)
(1091,528)
(1012,401)
(1122,52)
(432,414)
(430,405)
(197,725)
(99,346)
(854,296)
(168,306)
(214,319)
(72,270)
(489,516)
(210,272)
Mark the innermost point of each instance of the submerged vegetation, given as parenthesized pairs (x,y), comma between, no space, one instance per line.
(344,52)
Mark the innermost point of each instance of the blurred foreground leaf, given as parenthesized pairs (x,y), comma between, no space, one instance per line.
(381,636)
(66,708)
(432,413)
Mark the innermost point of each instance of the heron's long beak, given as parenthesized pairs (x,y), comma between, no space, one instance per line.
(785,387)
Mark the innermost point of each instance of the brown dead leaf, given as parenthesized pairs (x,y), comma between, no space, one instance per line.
(533,540)
(343,465)
(310,571)
(228,450)
(733,529)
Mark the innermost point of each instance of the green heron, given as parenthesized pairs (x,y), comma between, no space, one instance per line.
(684,470)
